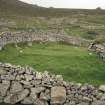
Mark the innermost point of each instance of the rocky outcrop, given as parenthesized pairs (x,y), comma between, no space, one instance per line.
(27,86)
(58,95)
(8,38)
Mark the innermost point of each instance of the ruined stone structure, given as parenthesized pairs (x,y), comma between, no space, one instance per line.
(98,49)
(27,86)
(7,38)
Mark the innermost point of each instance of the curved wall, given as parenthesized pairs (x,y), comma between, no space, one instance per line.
(7,38)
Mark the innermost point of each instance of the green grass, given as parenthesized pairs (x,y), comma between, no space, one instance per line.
(84,33)
(74,63)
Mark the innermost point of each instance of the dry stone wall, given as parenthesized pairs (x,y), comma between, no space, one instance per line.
(98,49)
(7,38)
(27,86)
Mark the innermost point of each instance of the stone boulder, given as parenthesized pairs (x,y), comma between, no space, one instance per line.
(15,98)
(40,102)
(4,86)
(28,77)
(1,99)
(15,87)
(37,90)
(102,88)
(27,100)
(2,72)
(58,95)
(98,102)
(83,103)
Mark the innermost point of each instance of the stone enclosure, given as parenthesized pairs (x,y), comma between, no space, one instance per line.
(7,38)
(27,86)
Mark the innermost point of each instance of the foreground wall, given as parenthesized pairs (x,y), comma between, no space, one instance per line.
(7,38)
(27,86)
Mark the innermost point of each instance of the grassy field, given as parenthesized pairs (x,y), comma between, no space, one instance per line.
(74,63)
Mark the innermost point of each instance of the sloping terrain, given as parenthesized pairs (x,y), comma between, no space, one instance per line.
(18,16)
(18,7)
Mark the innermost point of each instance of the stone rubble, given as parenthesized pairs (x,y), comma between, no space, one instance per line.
(99,49)
(31,87)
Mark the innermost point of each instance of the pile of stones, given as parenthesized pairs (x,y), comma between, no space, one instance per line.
(25,85)
(98,49)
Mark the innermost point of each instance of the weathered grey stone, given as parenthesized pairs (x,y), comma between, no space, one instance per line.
(36,82)
(102,88)
(7,99)
(28,70)
(21,71)
(27,100)
(103,97)
(44,96)
(38,75)
(99,95)
(40,102)
(18,78)
(26,83)
(58,95)
(1,99)
(33,96)
(15,98)
(4,86)
(59,77)
(37,90)
(16,87)
(99,49)
(28,77)
(100,46)
(2,72)
(98,102)
(8,77)
(87,99)
(83,103)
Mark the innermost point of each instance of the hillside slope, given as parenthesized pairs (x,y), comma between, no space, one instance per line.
(19,16)
(18,7)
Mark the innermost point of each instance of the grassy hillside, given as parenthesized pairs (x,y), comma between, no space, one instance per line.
(19,16)
(20,8)
(89,24)
(17,8)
